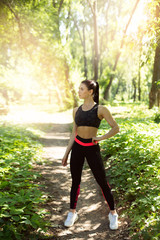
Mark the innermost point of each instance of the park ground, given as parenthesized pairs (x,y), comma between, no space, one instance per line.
(56,180)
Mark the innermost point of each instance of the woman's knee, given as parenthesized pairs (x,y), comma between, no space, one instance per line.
(103,184)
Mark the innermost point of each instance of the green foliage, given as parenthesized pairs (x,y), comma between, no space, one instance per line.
(157,117)
(133,161)
(107,74)
(43,43)
(19,194)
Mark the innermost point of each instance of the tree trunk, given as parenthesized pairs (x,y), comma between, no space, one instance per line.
(69,86)
(158,98)
(67,24)
(139,84)
(58,7)
(103,41)
(84,53)
(139,68)
(96,51)
(155,78)
(83,42)
(96,57)
(135,89)
(106,94)
(107,90)
(119,83)
(156,69)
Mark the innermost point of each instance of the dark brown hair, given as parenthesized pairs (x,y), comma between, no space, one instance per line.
(91,84)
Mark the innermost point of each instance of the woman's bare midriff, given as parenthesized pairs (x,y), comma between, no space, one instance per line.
(86,132)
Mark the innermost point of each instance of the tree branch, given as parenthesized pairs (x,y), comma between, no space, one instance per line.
(106,95)
(124,34)
(108,6)
(16,17)
(78,30)
(91,6)
(129,22)
(19,25)
(60,6)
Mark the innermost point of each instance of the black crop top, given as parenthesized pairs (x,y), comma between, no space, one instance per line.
(87,118)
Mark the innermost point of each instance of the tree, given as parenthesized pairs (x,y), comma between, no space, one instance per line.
(83,42)
(154,92)
(106,94)
(96,50)
(63,42)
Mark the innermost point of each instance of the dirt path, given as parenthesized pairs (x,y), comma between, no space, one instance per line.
(92,208)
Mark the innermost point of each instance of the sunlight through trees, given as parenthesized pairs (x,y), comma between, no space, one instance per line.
(49,47)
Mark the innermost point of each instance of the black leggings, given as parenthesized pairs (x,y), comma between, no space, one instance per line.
(95,162)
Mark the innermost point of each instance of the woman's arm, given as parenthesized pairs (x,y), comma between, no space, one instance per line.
(71,141)
(103,112)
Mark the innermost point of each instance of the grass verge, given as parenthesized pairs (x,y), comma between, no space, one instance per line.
(133,167)
(20,197)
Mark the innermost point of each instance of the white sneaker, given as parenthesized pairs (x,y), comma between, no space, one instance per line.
(113,218)
(71,218)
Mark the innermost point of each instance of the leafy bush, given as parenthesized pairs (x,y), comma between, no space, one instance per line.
(133,167)
(157,117)
(19,194)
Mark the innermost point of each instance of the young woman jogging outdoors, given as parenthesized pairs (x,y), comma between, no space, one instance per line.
(83,144)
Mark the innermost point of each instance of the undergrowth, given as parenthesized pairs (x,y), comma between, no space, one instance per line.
(133,162)
(19,194)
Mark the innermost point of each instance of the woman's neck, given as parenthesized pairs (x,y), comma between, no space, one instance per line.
(88,102)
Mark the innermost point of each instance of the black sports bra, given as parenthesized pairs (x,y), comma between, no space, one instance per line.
(87,118)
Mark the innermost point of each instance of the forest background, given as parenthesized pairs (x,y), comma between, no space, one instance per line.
(47,48)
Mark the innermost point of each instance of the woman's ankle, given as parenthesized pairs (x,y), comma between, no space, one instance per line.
(73,210)
(113,212)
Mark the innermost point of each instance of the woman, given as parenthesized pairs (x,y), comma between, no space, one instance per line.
(84,144)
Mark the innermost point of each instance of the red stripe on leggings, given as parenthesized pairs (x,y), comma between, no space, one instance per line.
(84,144)
(105,199)
(76,199)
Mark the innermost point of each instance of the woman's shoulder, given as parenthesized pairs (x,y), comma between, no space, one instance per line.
(75,110)
(102,110)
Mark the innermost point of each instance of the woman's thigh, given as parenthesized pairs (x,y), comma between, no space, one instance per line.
(76,162)
(95,162)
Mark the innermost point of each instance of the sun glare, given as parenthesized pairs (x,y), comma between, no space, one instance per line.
(139,18)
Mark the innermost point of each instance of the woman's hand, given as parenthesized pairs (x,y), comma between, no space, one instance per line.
(95,140)
(64,161)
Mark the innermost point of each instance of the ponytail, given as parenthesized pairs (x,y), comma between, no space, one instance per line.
(96,94)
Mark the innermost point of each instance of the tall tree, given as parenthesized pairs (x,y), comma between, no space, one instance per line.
(103,39)
(96,50)
(154,92)
(106,94)
(83,42)
(140,64)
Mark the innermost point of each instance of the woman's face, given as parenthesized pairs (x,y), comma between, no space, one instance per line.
(84,92)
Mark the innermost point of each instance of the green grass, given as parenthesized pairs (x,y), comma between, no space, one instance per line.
(133,167)
(20,197)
